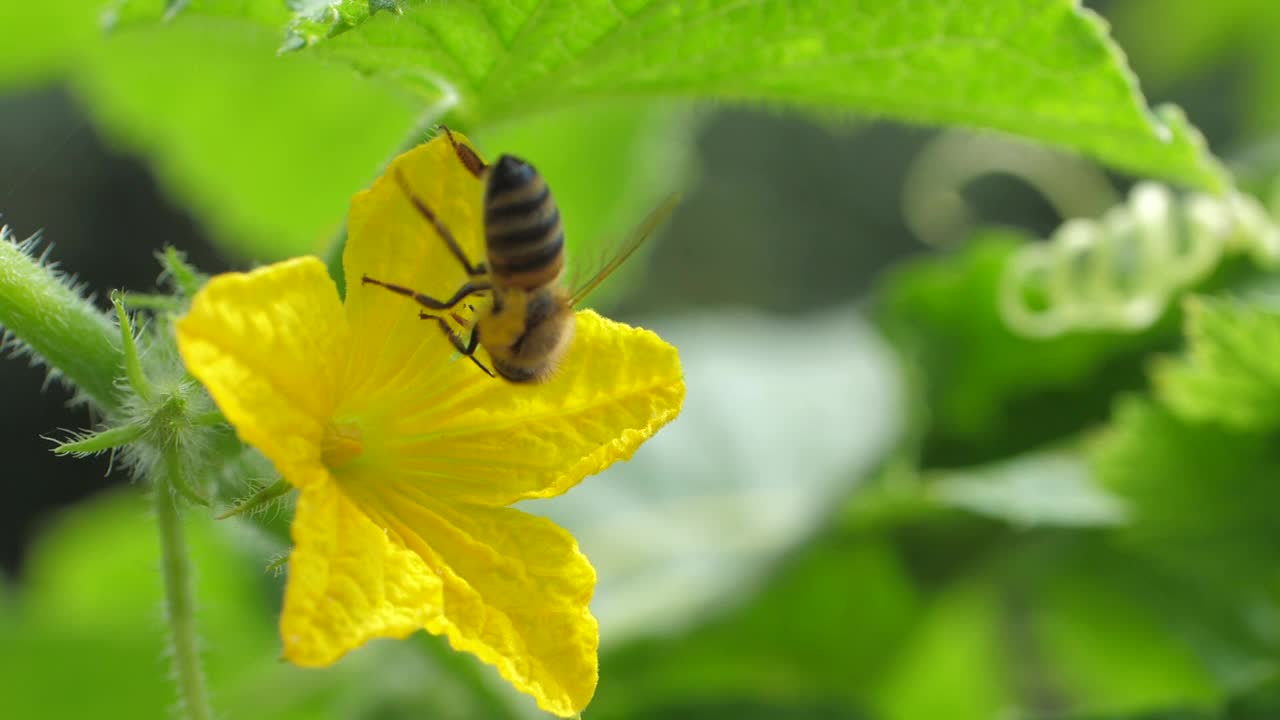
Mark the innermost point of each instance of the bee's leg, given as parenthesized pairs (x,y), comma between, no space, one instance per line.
(469,349)
(470,160)
(473,270)
(427,301)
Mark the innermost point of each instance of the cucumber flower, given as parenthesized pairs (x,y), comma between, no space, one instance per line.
(406,459)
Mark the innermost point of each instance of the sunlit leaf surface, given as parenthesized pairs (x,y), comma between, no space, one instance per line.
(1061,79)
(1231,372)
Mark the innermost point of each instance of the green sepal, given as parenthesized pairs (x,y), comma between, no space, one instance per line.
(258,500)
(132,363)
(180,273)
(108,439)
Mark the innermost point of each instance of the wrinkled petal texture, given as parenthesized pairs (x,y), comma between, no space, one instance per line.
(516,589)
(349,581)
(489,442)
(390,240)
(270,345)
(432,416)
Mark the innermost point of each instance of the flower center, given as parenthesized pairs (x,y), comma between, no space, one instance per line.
(342,443)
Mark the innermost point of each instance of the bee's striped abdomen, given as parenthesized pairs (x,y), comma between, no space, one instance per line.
(523,235)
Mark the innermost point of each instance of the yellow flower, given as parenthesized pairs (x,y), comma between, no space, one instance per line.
(407,458)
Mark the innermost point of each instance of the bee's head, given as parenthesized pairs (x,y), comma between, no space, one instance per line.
(528,334)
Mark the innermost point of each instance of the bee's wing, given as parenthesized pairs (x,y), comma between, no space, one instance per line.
(633,242)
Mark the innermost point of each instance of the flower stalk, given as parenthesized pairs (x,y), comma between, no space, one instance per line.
(193,695)
(168,482)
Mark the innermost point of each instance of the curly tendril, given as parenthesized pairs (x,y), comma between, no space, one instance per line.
(934,205)
(1120,272)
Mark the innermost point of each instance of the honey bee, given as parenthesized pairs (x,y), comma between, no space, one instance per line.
(528,326)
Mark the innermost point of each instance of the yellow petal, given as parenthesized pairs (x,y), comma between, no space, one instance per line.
(271,346)
(349,581)
(391,241)
(484,441)
(516,589)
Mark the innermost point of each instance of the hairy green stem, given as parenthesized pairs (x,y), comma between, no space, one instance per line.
(179,596)
(60,326)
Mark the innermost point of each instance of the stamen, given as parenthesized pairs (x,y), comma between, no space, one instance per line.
(342,443)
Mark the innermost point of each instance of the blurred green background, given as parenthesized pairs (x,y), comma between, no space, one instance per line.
(877,503)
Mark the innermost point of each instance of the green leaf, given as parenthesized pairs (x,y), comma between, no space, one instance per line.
(315,20)
(1202,497)
(1117,635)
(44,41)
(1048,488)
(1231,372)
(1050,626)
(956,652)
(989,392)
(1045,70)
(1023,625)
(40,40)
(1260,702)
(268,150)
(93,615)
(87,612)
(815,635)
